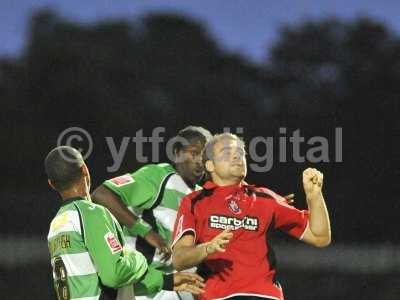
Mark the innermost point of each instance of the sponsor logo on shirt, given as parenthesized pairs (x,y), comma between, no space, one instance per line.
(122,180)
(112,242)
(224,222)
(59,221)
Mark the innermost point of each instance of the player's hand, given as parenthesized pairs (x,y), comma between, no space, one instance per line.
(289,199)
(219,242)
(188,282)
(312,182)
(154,239)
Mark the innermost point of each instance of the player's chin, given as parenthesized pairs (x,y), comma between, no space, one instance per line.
(197,175)
(239,173)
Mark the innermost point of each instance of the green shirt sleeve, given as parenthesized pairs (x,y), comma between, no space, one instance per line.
(104,240)
(140,189)
(151,283)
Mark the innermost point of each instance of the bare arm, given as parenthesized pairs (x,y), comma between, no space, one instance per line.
(109,199)
(187,255)
(318,233)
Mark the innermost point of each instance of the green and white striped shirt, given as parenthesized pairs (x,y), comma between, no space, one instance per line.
(86,246)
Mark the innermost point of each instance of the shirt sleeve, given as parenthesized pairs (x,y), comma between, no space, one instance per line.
(138,189)
(185,220)
(151,283)
(104,241)
(290,219)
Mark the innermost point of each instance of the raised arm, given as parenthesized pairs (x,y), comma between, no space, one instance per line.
(105,197)
(112,201)
(318,233)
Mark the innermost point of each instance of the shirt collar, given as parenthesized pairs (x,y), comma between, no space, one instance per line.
(209,185)
(70,200)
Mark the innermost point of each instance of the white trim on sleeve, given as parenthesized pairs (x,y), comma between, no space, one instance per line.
(248,294)
(181,234)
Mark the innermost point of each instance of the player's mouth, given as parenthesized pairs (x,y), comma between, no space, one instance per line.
(198,171)
(238,165)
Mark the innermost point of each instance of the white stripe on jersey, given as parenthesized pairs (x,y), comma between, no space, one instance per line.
(78,264)
(176,182)
(67,221)
(166,216)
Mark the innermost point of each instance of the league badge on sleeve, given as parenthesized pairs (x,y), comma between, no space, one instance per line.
(112,243)
(122,180)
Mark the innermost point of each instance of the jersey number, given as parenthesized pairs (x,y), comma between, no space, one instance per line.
(60,282)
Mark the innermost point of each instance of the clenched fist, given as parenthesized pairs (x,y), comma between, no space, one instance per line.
(312,182)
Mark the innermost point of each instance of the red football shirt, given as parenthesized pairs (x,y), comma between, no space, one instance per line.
(246,267)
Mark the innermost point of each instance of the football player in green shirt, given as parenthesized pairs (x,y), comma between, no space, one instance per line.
(146,201)
(87,245)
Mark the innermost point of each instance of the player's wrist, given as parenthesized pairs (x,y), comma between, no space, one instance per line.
(314,196)
(140,228)
(207,249)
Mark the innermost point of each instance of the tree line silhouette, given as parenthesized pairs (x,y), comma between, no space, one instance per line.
(113,78)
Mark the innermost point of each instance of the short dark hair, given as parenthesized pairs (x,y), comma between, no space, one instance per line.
(190,135)
(63,167)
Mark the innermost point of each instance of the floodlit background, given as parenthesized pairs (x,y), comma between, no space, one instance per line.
(116,67)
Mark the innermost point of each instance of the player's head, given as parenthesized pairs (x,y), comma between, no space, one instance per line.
(66,169)
(224,157)
(187,148)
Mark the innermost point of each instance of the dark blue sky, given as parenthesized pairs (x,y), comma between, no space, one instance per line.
(247,26)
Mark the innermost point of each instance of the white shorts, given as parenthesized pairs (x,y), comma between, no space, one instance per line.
(168,295)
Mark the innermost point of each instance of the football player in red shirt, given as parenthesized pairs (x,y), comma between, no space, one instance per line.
(224,228)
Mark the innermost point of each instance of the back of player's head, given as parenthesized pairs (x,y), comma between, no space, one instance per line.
(63,167)
(190,135)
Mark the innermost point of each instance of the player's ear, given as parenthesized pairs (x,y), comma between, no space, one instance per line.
(86,174)
(179,156)
(85,171)
(209,166)
(176,155)
(51,184)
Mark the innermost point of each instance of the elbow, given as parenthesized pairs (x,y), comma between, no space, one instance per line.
(110,280)
(322,242)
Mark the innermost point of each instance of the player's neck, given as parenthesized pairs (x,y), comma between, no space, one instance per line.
(226,181)
(73,192)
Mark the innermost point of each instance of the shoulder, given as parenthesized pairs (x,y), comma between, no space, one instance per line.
(266,194)
(150,172)
(190,199)
(88,208)
(155,169)
(274,198)
(261,190)
(119,181)
(153,173)
(67,219)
